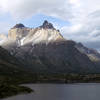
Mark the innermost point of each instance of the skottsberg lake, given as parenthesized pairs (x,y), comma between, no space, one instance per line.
(84,91)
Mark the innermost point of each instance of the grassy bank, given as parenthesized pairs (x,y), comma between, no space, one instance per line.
(10,85)
(10,90)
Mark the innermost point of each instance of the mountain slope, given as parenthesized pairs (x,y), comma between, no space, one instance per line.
(58,57)
(44,50)
(91,53)
(8,63)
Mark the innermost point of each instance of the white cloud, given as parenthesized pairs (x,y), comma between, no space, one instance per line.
(4,27)
(25,8)
(86,31)
(72,10)
(83,15)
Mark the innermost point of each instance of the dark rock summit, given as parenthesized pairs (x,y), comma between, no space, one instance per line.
(47,25)
(19,26)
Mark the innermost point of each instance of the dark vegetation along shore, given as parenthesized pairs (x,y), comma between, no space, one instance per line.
(10,90)
(10,85)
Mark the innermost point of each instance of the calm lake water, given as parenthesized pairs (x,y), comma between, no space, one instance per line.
(88,91)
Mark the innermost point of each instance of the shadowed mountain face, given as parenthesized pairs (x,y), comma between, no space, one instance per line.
(44,50)
(58,57)
(91,53)
(8,63)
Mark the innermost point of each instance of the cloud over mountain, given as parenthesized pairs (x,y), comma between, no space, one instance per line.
(83,15)
(25,8)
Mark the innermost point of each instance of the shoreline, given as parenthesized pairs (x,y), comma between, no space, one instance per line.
(27,90)
(15,85)
(13,90)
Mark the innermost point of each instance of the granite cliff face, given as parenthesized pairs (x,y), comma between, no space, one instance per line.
(44,50)
(22,35)
(17,33)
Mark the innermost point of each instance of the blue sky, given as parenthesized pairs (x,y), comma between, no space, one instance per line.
(38,19)
(33,21)
(78,20)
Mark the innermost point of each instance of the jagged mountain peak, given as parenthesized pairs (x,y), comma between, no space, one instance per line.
(20,25)
(47,25)
(46,33)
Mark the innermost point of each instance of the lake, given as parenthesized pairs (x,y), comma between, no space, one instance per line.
(82,91)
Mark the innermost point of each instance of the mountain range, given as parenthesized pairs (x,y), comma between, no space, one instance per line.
(45,50)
